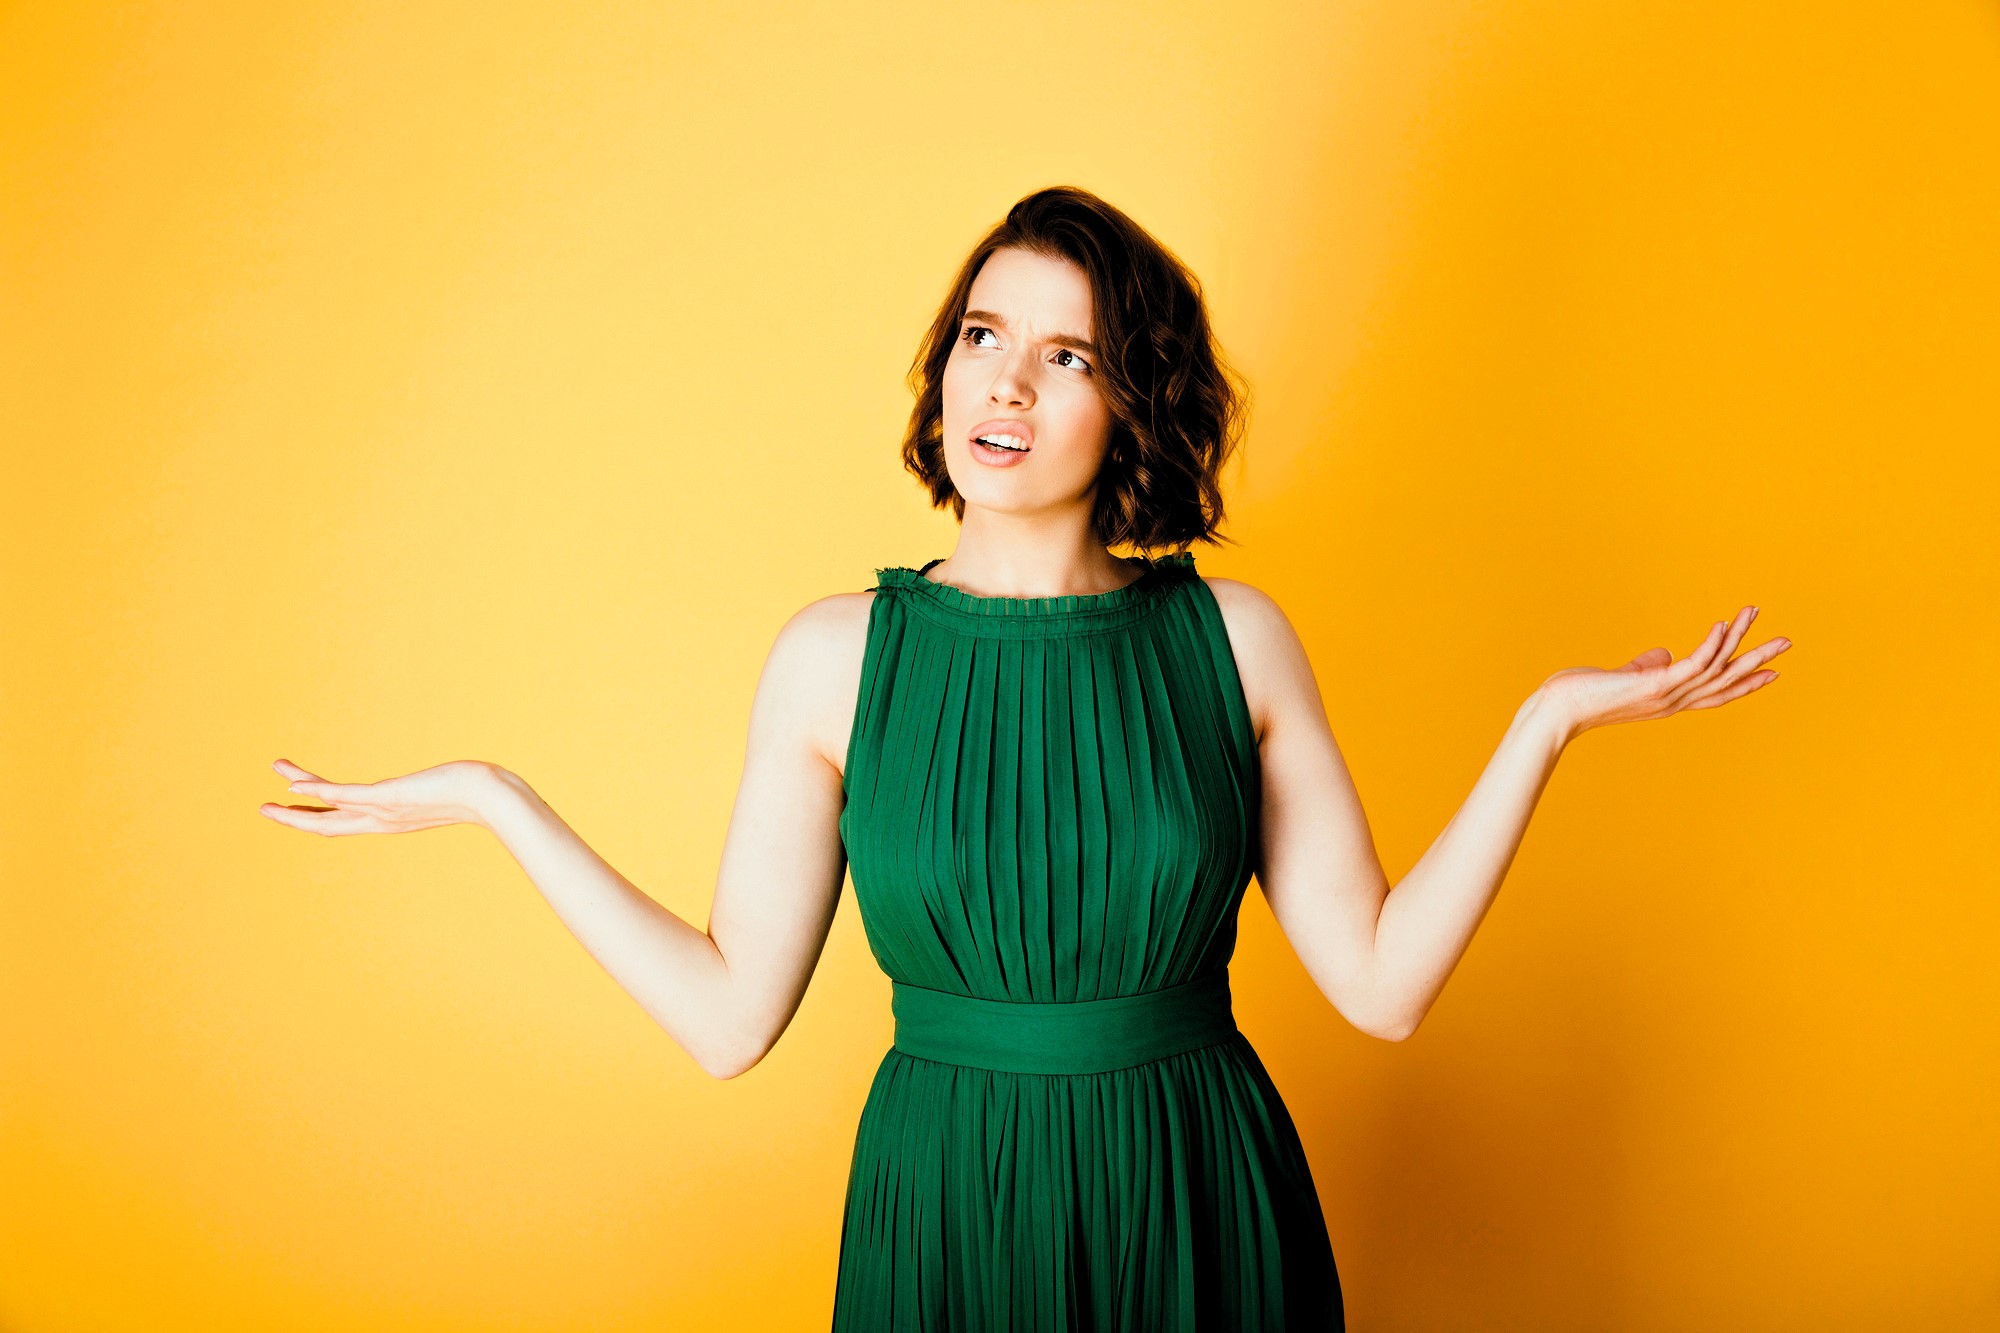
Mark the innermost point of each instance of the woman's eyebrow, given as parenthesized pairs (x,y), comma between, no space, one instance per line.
(1058,339)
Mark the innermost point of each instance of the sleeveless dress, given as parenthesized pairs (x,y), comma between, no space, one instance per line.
(1051,808)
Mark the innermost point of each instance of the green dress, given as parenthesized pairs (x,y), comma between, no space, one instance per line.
(1051,813)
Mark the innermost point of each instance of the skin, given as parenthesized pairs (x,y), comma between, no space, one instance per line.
(1379,954)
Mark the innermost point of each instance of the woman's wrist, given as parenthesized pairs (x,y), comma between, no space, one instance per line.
(493,793)
(1548,719)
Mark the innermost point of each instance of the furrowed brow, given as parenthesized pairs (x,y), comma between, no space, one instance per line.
(1054,339)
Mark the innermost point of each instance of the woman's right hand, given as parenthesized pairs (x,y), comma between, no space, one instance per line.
(429,798)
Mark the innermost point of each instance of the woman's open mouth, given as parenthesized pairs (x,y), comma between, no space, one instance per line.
(1001,443)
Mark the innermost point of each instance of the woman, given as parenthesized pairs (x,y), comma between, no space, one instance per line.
(1053,773)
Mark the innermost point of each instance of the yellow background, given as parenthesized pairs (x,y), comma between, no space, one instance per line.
(382,385)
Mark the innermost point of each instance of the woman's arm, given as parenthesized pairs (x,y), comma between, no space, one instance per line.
(727,993)
(1382,955)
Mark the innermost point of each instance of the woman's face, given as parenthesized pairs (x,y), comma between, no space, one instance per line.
(1024,362)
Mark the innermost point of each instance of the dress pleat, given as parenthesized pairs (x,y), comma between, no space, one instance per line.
(1053,803)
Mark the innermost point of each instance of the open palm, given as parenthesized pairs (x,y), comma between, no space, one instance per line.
(1654,685)
(429,798)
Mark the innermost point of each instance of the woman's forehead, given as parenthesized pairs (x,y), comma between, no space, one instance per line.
(1032,293)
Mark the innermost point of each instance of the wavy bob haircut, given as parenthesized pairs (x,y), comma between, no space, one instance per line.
(1178,410)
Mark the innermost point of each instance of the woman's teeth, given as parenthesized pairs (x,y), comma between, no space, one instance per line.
(1001,442)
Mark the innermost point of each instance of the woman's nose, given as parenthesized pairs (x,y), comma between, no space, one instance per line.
(1010,384)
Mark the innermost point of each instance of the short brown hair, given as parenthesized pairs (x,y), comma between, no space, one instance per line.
(1177,408)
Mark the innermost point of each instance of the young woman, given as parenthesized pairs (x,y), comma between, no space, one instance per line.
(1053,772)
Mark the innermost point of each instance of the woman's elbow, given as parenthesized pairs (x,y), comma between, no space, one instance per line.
(725,1065)
(734,1058)
(1386,1022)
(1401,1030)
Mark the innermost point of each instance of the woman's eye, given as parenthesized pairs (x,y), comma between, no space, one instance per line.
(972,332)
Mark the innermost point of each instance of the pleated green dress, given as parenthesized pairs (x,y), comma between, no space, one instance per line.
(1051,811)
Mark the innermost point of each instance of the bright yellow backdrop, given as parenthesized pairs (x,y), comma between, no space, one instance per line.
(381,385)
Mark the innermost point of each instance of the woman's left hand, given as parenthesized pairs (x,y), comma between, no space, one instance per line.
(1654,685)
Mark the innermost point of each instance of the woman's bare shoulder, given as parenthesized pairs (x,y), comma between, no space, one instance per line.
(816,661)
(1246,598)
(833,616)
(1271,662)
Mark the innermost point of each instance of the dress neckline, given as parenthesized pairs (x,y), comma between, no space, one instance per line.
(1022,614)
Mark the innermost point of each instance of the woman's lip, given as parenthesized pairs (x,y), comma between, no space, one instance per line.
(1004,426)
(988,456)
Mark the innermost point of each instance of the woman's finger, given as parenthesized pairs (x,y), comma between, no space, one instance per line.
(1754,658)
(1739,677)
(1716,698)
(314,821)
(1713,660)
(1674,682)
(335,793)
(1739,625)
(1726,644)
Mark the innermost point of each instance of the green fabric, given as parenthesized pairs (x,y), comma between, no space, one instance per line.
(1083,1037)
(1051,818)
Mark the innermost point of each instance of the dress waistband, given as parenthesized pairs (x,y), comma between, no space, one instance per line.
(1076,1037)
